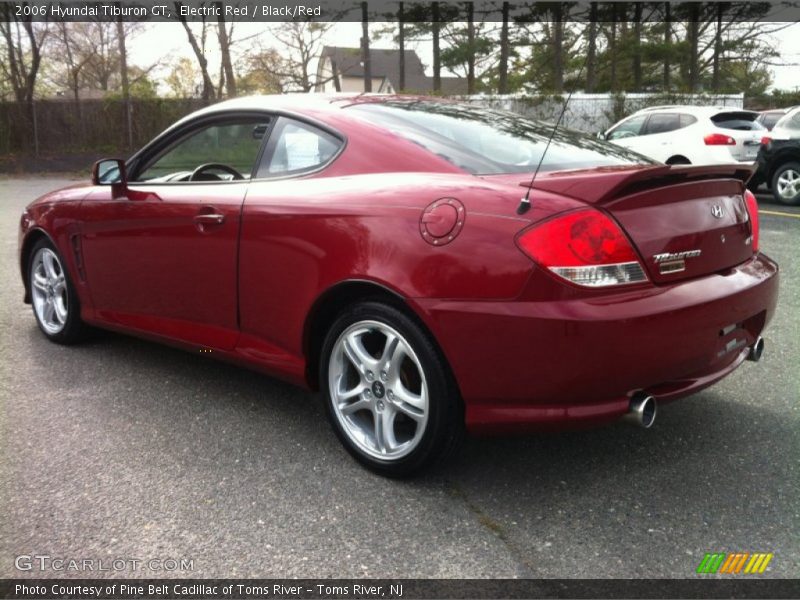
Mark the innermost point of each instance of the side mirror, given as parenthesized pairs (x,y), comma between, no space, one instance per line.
(109,171)
(601,135)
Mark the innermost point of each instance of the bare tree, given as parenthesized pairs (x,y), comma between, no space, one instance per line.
(75,51)
(226,67)
(123,75)
(24,41)
(198,48)
(301,44)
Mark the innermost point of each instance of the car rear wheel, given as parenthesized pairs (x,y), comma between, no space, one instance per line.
(387,392)
(55,303)
(786,183)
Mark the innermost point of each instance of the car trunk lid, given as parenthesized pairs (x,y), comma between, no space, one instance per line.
(684,221)
(688,229)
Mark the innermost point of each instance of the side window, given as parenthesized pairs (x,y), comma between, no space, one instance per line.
(231,146)
(662,123)
(295,147)
(630,128)
(687,120)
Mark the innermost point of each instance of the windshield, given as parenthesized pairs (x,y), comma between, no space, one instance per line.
(485,141)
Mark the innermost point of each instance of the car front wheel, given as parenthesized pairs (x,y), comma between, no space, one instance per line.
(55,303)
(786,183)
(388,394)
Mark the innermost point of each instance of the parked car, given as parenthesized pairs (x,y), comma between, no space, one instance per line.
(697,135)
(376,248)
(768,118)
(779,160)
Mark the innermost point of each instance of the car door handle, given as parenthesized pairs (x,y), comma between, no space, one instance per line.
(209,219)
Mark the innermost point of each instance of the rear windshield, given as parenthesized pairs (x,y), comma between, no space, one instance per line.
(769,119)
(487,141)
(790,121)
(740,121)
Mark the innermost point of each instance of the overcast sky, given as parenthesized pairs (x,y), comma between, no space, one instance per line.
(166,41)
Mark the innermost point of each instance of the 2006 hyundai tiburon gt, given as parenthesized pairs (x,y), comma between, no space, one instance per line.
(376,248)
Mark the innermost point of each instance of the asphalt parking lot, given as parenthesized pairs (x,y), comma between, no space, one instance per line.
(121,448)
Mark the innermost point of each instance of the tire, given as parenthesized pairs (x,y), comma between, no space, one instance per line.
(55,303)
(786,184)
(388,393)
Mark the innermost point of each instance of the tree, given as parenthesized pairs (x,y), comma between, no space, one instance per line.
(365,58)
(401,43)
(124,79)
(226,64)
(24,41)
(502,86)
(260,72)
(301,44)
(591,49)
(470,50)
(199,50)
(184,79)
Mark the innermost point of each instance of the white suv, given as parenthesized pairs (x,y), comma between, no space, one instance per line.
(683,135)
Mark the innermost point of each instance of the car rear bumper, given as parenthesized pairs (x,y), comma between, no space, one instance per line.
(721,155)
(553,364)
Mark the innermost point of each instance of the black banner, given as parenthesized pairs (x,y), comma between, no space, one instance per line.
(383,10)
(393,589)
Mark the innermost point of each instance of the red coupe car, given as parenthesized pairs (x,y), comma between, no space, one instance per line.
(399,255)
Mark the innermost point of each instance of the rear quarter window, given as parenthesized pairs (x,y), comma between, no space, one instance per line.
(790,121)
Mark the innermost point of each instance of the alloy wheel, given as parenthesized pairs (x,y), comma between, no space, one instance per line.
(788,184)
(378,390)
(49,291)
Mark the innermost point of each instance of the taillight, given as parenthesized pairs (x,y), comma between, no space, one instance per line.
(584,247)
(719,139)
(752,210)
(766,140)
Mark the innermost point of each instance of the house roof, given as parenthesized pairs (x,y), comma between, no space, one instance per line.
(386,63)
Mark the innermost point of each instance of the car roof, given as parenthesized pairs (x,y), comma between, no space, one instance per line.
(308,105)
(692,110)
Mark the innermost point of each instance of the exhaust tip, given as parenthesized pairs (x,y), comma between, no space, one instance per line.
(642,411)
(756,350)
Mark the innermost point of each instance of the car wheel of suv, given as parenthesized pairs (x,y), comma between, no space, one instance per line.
(786,183)
(678,160)
(387,392)
(55,303)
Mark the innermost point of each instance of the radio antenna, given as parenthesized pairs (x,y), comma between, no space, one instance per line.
(525,202)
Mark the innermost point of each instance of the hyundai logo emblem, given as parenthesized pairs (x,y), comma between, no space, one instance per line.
(717,211)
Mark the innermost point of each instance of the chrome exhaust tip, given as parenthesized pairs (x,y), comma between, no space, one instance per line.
(642,411)
(756,350)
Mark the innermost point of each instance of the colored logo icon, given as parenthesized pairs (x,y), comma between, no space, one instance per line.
(734,563)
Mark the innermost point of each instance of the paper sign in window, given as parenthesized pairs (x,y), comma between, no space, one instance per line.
(302,150)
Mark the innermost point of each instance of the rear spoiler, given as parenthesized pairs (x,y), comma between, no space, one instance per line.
(601,185)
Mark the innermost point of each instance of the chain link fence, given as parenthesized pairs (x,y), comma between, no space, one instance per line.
(591,113)
(57,130)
